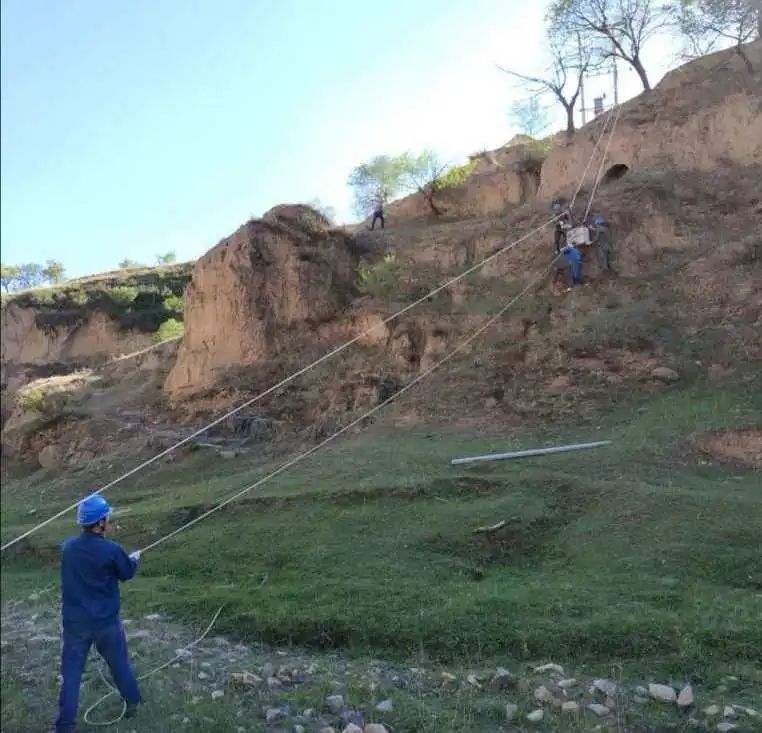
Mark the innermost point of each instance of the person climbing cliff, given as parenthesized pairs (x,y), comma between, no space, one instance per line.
(378,213)
(574,260)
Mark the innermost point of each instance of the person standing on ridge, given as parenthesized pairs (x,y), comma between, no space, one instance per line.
(91,570)
(378,213)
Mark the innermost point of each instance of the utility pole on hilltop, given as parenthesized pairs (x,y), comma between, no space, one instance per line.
(581,83)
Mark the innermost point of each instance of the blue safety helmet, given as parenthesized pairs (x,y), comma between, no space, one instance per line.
(92,510)
(556,206)
(599,220)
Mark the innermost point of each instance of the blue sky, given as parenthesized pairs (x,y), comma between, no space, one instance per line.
(132,128)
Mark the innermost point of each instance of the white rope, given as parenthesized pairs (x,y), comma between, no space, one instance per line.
(113,690)
(321,359)
(599,176)
(285,381)
(299,458)
(590,159)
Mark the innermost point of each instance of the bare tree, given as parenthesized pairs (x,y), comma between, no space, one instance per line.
(563,79)
(707,23)
(530,116)
(613,28)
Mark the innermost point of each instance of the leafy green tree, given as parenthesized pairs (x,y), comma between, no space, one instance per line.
(705,24)
(8,276)
(167,258)
(54,272)
(127,264)
(378,181)
(30,275)
(428,175)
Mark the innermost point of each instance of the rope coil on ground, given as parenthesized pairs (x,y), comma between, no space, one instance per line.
(114,691)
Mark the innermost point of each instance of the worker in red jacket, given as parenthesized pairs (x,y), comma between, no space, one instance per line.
(91,569)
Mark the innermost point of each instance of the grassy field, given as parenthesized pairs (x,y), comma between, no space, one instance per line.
(645,554)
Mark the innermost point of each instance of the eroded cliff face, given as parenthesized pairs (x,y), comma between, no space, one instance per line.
(287,270)
(702,115)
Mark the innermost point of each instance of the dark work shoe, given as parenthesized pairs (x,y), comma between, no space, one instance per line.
(131,711)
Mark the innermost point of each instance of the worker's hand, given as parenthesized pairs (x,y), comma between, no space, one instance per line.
(135,555)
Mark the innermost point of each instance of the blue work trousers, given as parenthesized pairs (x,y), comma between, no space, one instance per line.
(575,273)
(112,646)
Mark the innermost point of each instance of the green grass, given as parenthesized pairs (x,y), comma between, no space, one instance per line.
(638,552)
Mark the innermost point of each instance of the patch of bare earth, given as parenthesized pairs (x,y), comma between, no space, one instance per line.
(742,446)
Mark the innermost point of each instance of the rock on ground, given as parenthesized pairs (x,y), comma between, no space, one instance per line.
(510,710)
(607,687)
(536,716)
(375,728)
(570,707)
(385,706)
(665,374)
(662,693)
(685,698)
(335,703)
(600,710)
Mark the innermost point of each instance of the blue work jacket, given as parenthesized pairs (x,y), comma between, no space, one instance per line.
(91,568)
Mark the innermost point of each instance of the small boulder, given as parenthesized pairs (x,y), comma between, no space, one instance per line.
(375,728)
(300,729)
(550,668)
(600,710)
(536,716)
(712,710)
(268,670)
(642,691)
(448,680)
(725,726)
(246,679)
(503,679)
(662,693)
(335,703)
(729,712)
(352,728)
(217,694)
(274,714)
(566,684)
(543,694)
(570,707)
(685,698)
(510,710)
(605,687)
(473,680)
(273,683)
(353,717)
(665,374)
(385,706)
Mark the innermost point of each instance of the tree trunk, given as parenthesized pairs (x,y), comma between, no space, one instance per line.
(570,128)
(638,66)
(742,54)
(428,194)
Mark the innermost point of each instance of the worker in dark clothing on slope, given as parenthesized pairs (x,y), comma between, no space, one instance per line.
(91,569)
(574,259)
(378,213)
(603,240)
(562,224)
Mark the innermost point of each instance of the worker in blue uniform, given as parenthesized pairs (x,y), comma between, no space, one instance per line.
(91,570)
(574,259)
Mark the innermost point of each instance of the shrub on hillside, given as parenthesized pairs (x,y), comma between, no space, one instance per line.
(175,304)
(380,279)
(170,329)
(122,294)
